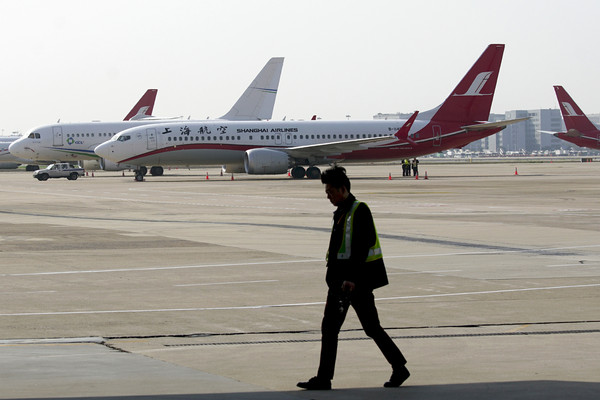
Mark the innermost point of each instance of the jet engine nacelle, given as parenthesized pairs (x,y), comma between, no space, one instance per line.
(94,165)
(233,168)
(266,161)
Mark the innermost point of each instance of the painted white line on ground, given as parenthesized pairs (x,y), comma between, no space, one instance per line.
(282,262)
(264,306)
(225,283)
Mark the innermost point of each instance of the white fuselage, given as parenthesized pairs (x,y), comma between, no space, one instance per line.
(69,141)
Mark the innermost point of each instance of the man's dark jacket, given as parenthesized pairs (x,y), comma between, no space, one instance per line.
(366,276)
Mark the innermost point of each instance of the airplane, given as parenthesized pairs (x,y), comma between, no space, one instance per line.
(9,161)
(275,147)
(580,130)
(45,143)
(76,141)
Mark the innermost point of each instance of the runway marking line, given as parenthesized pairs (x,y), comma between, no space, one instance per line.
(265,306)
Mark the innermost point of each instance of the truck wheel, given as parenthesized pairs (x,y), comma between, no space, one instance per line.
(43,177)
(73,176)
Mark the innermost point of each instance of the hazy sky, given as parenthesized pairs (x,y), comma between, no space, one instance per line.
(92,60)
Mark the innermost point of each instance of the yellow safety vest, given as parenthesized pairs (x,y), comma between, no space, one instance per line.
(345,249)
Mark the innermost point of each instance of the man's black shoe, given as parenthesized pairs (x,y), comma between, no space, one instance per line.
(315,383)
(398,377)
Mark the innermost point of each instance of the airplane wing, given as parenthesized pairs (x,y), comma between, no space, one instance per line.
(334,148)
(491,125)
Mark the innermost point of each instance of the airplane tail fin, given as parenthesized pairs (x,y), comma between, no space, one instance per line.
(471,100)
(574,118)
(257,102)
(143,107)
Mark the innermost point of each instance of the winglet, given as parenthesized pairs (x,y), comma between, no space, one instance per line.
(144,106)
(402,133)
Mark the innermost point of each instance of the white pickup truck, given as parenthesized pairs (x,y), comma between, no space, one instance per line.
(59,170)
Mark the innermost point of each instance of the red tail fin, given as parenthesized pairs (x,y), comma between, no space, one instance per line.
(144,106)
(471,100)
(572,114)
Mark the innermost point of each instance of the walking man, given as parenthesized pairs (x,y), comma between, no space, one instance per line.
(354,269)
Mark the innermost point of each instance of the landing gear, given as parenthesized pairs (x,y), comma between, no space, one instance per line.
(139,173)
(313,173)
(156,171)
(298,172)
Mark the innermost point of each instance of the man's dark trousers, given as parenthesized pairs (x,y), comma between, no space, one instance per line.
(363,303)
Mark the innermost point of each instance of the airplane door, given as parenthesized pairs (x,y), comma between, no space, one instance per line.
(58,136)
(278,139)
(437,135)
(151,135)
(288,138)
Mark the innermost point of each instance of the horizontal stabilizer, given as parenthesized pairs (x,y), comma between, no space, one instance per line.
(491,125)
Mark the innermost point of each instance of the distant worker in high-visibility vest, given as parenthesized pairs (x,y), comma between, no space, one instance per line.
(415,167)
(354,269)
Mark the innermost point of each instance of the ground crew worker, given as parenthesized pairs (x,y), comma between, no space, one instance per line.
(354,269)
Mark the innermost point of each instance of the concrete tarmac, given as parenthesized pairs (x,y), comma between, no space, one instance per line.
(182,287)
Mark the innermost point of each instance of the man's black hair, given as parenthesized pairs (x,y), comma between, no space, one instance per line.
(336,177)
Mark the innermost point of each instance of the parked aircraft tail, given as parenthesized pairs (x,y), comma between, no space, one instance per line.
(471,100)
(575,119)
(143,107)
(257,102)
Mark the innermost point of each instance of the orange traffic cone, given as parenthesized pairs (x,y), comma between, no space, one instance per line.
(92,174)
(390,177)
(516,173)
(207,176)
(426,175)
(416,177)
(231,176)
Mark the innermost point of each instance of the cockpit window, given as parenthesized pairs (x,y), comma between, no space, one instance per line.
(123,138)
(34,135)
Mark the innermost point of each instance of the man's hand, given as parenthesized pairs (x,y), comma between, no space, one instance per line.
(348,287)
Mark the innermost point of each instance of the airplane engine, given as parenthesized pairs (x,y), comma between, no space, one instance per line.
(90,165)
(266,162)
(233,168)
(112,166)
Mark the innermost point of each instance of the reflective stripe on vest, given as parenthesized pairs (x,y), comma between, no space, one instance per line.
(346,248)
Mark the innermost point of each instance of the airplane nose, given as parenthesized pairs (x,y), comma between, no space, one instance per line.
(105,150)
(16,149)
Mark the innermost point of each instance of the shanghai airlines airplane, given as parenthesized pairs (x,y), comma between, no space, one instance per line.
(274,147)
(76,141)
(580,130)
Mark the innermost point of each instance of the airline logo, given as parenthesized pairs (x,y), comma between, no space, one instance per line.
(477,85)
(570,109)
